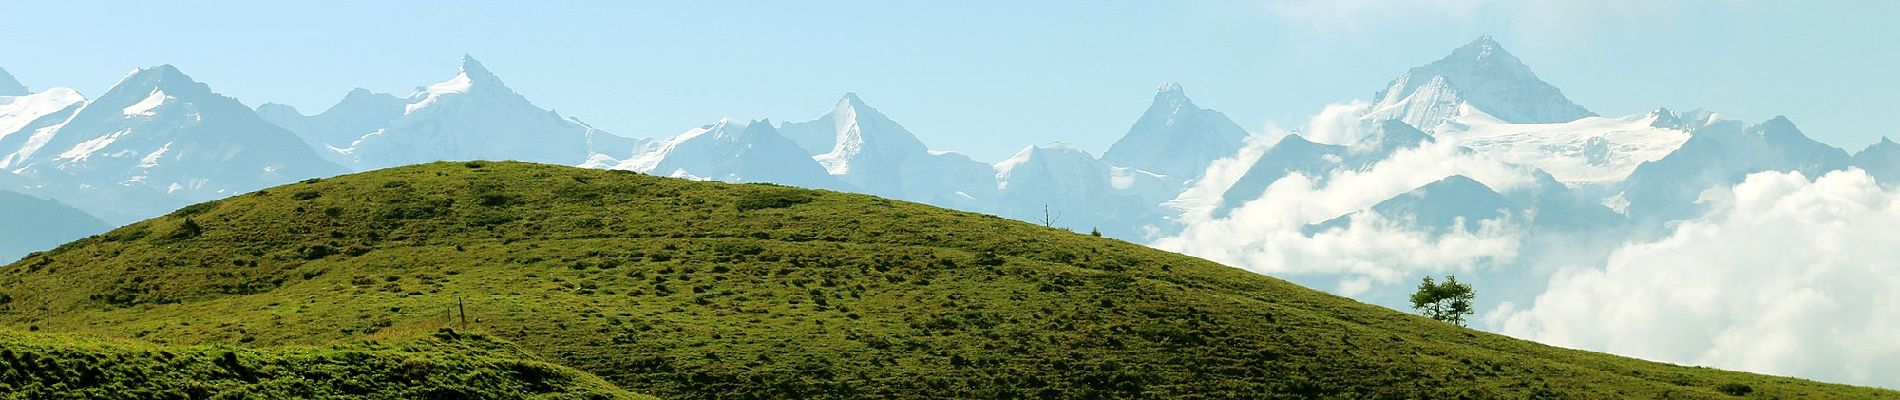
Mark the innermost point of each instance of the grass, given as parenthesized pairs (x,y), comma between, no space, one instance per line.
(41,366)
(689,290)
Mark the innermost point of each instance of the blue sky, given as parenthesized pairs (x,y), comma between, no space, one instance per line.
(985,77)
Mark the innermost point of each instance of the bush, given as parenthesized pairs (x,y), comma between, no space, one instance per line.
(1734,389)
(773,199)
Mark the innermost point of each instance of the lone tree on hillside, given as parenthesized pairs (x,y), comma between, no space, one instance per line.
(1449,301)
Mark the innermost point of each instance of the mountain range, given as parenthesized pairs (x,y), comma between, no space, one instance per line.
(158,140)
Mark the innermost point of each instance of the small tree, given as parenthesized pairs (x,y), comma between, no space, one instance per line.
(1449,301)
(1049,220)
(1095,232)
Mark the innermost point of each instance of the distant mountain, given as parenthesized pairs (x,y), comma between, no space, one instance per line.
(1591,150)
(1317,161)
(470,116)
(9,86)
(859,145)
(163,139)
(1881,160)
(21,115)
(664,287)
(874,154)
(1480,77)
(734,151)
(29,224)
(1079,191)
(1719,154)
(1461,203)
(1454,203)
(1176,138)
(360,112)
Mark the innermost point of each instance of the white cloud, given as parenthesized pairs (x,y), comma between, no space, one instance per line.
(1785,276)
(1264,235)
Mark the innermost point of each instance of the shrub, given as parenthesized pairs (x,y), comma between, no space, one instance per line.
(760,200)
(1734,389)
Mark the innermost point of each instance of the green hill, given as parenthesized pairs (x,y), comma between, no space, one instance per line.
(687,289)
(37,366)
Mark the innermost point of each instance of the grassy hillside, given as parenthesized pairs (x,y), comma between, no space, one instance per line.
(37,366)
(707,290)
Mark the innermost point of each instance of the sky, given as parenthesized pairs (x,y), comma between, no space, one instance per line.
(985,77)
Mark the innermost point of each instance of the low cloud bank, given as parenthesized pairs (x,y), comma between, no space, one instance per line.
(1785,276)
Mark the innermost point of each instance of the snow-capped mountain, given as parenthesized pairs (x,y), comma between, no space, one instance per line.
(734,151)
(1722,153)
(1881,160)
(873,153)
(1080,191)
(1478,78)
(360,112)
(865,148)
(35,224)
(473,115)
(25,113)
(1176,138)
(160,133)
(1591,150)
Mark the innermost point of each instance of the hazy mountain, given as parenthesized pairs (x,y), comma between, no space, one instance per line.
(734,151)
(1881,160)
(1318,161)
(159,133)
(1480,77)
(1176,138)
(29,224)
(1079,191)
(359,113)
(472,115)
(9,86)
(1722,153)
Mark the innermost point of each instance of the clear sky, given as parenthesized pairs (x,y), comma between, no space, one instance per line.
(984,77)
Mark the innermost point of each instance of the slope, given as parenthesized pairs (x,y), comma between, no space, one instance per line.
(690,289)
(1175,137)
(41,366)
(1477,78)
(29,224)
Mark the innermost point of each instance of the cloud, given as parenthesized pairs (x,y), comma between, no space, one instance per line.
(1785,276)
(1264,235)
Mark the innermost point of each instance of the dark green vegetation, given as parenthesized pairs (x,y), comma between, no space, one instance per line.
(707,290)
(37,366)
(1449,301)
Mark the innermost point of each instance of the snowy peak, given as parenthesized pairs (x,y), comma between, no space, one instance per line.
(1480,75)
(1176,138)
(1663,118)
(473,78)
(474,70)
(470,116)
(732,150)
(10,86)
(165,139)
(850,128)
(1170,92)
(165,78)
